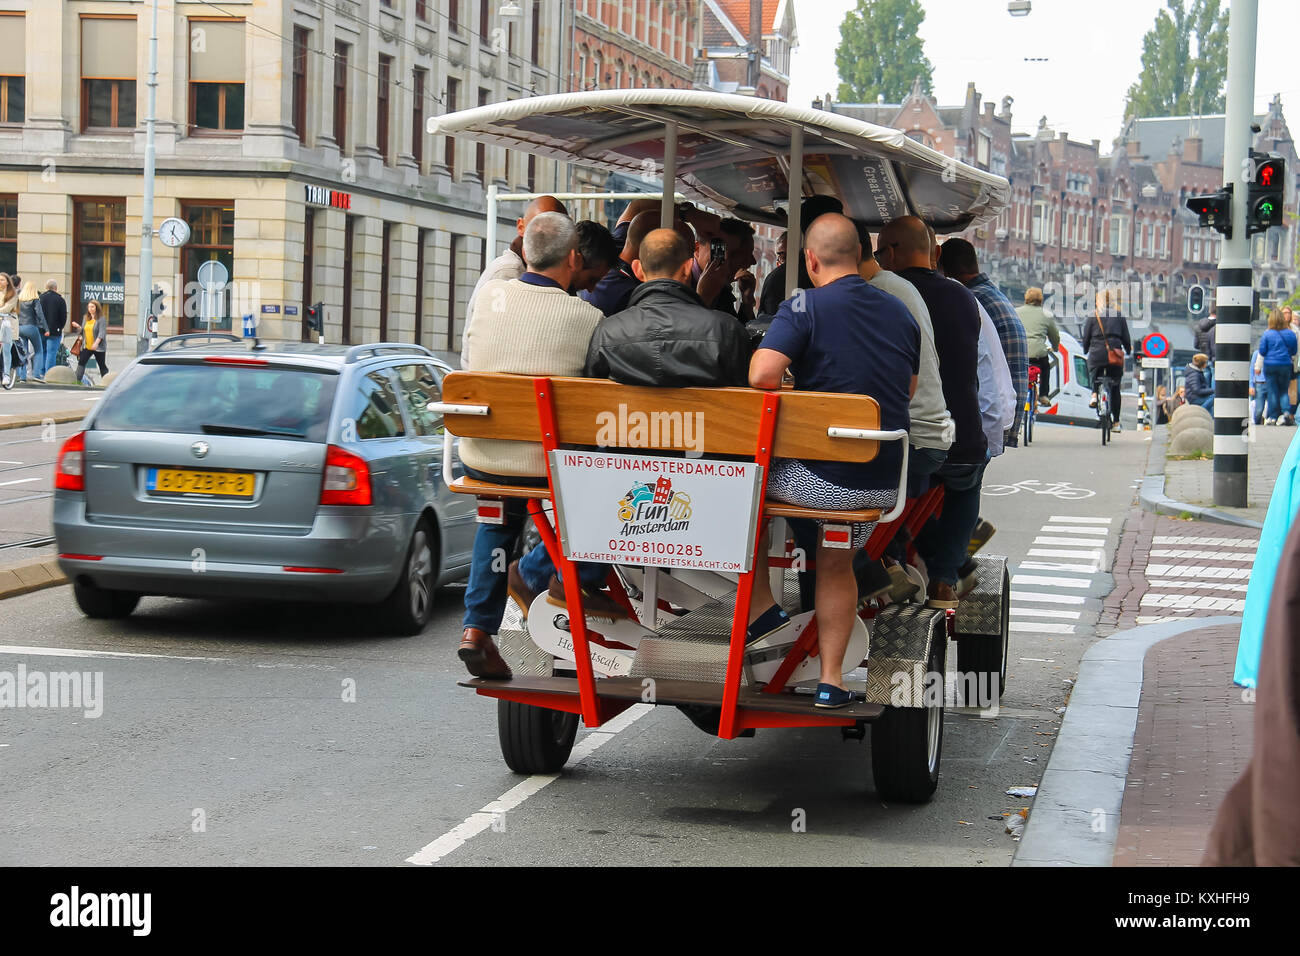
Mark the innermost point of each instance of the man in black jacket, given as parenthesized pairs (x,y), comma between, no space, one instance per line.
(56,317)
(666,336)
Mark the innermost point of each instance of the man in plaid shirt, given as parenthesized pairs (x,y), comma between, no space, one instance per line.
(957,260)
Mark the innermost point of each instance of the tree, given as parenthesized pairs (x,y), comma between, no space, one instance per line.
(880,51)
(1184,62)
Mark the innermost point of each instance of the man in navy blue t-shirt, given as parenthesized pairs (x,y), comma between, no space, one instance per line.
(843,335)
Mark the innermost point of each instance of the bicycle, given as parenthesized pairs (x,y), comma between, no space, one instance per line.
(1105,420)
(1031,404)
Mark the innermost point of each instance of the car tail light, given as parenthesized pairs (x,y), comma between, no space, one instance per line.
(70,469)
(347,478)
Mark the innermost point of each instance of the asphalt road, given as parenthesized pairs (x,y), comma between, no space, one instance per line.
(270,734)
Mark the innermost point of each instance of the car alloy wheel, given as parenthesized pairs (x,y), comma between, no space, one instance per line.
(419,573)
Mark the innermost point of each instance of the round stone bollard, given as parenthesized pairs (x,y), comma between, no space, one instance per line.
(1194,412)
(1192,441)
(61,375)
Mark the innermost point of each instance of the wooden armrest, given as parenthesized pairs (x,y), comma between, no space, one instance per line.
(780,509)
(488,489)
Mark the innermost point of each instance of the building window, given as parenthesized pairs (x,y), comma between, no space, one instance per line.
(13,69)
(421,241)
(480,151)
(422,10)
(1040,211)
(453,15)
(385,264)
(349,254)
(382,106)
(449,147)
(484,20)
(212,236)
(420,84)
(108,70)
(8,234)
(216,75)
(535,53)
(308,272)
(341,96)
(99,256)
(532,173)
(300,39)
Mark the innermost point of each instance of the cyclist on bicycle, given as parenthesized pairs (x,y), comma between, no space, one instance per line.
(1040,331)
(1106,341)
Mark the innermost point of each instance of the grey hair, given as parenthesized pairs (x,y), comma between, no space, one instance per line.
(52,286)
(548,240)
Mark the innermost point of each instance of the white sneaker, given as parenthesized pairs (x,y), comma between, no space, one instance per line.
(1115,429)
(1270,421)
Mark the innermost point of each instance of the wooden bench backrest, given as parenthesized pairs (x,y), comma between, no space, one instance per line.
(588,411)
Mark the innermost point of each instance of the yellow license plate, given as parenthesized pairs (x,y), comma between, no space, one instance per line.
(187,481)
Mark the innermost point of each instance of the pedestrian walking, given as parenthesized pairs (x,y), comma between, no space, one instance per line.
(56,317)
(1278,347)
(93,341)
(8,326)
(33,330)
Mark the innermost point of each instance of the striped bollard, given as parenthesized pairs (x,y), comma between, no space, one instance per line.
(1234,299)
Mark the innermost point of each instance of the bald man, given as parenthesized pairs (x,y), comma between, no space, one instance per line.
(613,291)
(907,245)
(510,264)
(843,335)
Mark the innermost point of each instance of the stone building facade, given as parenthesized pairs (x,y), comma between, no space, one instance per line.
(290,137)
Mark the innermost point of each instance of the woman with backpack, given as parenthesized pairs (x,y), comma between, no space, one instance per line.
(1106,341)
(32,328)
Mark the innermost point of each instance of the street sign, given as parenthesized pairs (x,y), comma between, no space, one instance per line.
(213,273)
(250,326)
(1156,346)
(1156,362)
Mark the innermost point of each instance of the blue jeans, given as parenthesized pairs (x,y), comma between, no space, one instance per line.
(35,343)
(921,464)
(52,351)
(1277,384)
(536,568)
(944,540)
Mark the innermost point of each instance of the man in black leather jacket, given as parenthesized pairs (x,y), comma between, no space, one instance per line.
(667,337)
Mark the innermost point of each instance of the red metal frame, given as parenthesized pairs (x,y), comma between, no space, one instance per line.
(727,728)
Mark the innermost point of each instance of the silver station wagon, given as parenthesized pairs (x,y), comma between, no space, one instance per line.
(283,470)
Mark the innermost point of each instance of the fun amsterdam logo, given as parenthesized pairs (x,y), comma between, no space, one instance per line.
(654,509)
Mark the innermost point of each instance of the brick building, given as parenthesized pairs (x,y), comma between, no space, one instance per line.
(630,44)
(729,33)
(1079,216)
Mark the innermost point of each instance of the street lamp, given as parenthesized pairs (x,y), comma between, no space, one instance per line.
(1019,8)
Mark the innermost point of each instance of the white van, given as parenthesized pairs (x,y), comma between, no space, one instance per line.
(1069,388)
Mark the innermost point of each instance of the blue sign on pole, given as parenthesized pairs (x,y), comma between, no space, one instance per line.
(250,326)
(1155,345)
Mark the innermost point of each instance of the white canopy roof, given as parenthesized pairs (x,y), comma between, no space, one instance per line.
(733,152)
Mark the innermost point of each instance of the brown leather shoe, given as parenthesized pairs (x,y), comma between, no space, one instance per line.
(518,589)
(595,602)
(941,596)
(481,657)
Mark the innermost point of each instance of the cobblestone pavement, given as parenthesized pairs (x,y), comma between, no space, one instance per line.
(1194,728)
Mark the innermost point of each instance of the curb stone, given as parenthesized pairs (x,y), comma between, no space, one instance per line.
(1154,499)
(27,421)
(1088,770)
(16,579)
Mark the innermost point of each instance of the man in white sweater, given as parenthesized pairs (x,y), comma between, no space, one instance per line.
(510,264)
(528,326)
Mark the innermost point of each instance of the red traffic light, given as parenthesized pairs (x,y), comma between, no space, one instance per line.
(1269,173)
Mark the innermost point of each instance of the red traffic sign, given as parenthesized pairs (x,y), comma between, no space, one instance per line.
(1155,345)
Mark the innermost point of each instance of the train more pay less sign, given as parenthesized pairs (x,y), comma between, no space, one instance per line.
(666,512)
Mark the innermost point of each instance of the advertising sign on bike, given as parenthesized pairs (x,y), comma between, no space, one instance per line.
(665,512)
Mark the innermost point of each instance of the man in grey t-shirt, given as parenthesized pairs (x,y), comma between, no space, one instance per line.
(931,431)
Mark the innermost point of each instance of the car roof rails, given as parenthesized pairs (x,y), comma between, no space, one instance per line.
(192,339)
(357,352)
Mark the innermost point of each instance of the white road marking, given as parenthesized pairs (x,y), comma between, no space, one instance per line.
(1069,542)
(1065,553)
(1181,571)
(1040,627)
(1157,583)
(1051,582)
(1043,598)
(1204,555)
(1074,529)
(476,823)
(19,481)
(8,462)
(1193,603)
(82,652)
(1250,543)
(1045,612)
(1078,520)
(1091,568)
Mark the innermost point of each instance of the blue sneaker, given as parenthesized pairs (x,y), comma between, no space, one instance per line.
(770,621)
(830,697)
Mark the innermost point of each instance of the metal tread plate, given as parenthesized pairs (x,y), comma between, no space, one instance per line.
(901,637)
(981,611)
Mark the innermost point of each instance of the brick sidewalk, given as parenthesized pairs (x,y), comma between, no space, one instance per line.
(1193,481)
(1194,738)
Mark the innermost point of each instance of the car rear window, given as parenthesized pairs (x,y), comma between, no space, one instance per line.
(202,398)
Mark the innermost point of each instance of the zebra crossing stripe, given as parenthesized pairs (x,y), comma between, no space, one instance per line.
(1193,603)
(1071,542)
(1203,555)
(1051,582)
(1046,612)
(1092,568)
(1037,627)
(1064,553)
(1075,529)
(1182,571)
(1078,520)
(1159,583)
(1040,597)
(1207,542)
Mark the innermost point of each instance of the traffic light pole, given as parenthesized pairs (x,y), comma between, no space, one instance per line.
(1234,295)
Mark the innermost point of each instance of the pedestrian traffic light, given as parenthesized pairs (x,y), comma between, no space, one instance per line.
(1266,196)
(156,302)
(1196,300)
(316,317)
(1214,210)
